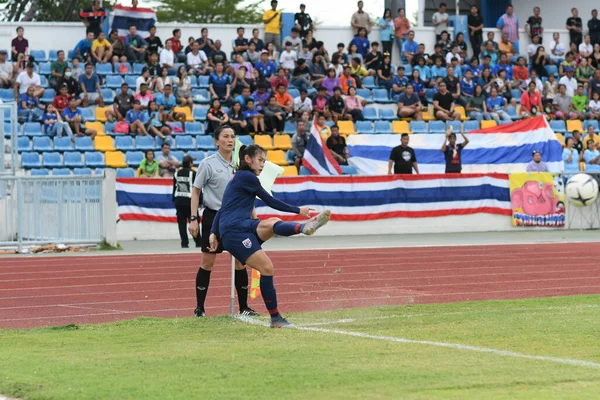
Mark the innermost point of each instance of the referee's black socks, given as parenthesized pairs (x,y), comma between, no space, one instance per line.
(202,282)
(241,286)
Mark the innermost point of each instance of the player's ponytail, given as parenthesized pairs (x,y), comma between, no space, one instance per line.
(251,151)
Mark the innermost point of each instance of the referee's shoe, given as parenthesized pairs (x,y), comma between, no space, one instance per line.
(248,312)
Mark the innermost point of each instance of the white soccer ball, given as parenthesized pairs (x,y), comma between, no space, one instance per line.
(581,190)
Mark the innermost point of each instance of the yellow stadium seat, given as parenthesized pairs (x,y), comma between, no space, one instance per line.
(560,138)
(400,127)
(101,113)
(582,166)
(290,170)
(282,142)
(574,125)
(428,115)
(264,141)
(104,143)
(185,110)
(324,136)
(277,157)
(346,127)
(115,159)
(463,113)
(488,124)
(97,126)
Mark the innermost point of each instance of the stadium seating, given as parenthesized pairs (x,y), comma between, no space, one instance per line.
(290,170)
(419,127)
(488,124)
(265,141)
(87,114)
(32,129)
(115,159)
(369,82)
(383,127)
(387,114)
(348,170)
(400,127)
(63,144)
(205,143)
(304,171)
(462,112)
(104,143)
(126,173)
(574,125)
(144,143)
(42,143)
(346,128)
(7,95)
(94,159)
(197,155)
(48,96)
(471,125)
(200,113)
(101,113)
(370,114)
(38,55)
(290,127)
(61,172)
(51,160)
(277,157)
(114,81)
(84,143)
(194,128)
(134,158)
(23,144)
(124,143)
(456,126)
(104,69)
(40,172)
(30,160)
(590,122)
(246,139)
(381,96)
(185,142)
(364,127)
(282,142)
(437,127)
(73,159)
(109,129)
(82,171)
(186,111)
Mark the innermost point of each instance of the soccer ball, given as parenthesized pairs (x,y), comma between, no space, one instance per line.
(582,190)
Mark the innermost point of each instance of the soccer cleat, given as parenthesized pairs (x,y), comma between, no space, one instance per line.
(248,312)
(281,322)
(311,226)
(199,312)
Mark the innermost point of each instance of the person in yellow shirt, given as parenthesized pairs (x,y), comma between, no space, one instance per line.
(101,49)
(272,20)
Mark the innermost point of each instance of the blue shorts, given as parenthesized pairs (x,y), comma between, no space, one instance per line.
(241,245)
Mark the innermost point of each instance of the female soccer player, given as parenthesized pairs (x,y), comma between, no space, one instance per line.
(242,236)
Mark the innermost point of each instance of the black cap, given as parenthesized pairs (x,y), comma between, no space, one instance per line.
(302,5)
(535,152)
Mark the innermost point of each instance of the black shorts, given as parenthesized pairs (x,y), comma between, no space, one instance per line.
(208,217)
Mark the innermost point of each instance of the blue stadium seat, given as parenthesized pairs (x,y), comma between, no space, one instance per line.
(194,128)
(104,69)
(418,127)
(63,144)
(558,126)
(130,80)
(45,68)
(429,93)
(387,114)
(512,113)
(114,81)
(304,171)
(109,128)
(185,142)
(32,129)
(194,82)
(437,127)
(246,139)
(99,171)
(87,114)
(178,124)
(363,127)
(552,70)
(348,170)
(38,55)
(290,127)
(205,143)
(53,55)
(472,125)
(82,171)
(159,142)
(144,143)
(73,159)
(210,153)
(7,95)
(369,82)
(591,122)
(381,96)
(84,143)
(293,92)
(200,96)
(370,113)
(94,159)
(70,55)
(197,155)
(178,154)
(48,96)
(61,172)
(42,143)
(125,173)
(456,126)
(124,143)
(108,95)
(43,81)
(138,67)
(7,112)
(289,156)
(51,160)
(30,160)
(127,65)
(134,158)
(365,94)
(200,113)
(516,94)
(203,81)
(383,127)
(407,69)
(23,144)
(40,172)
(225,109)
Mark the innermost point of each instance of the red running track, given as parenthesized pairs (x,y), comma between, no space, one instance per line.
(50,291)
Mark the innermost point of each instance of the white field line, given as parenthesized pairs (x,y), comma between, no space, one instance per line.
(456,346)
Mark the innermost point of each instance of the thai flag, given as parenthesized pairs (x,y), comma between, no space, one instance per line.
(124,17)
(317,157)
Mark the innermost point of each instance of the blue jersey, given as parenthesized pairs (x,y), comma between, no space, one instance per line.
(235,214)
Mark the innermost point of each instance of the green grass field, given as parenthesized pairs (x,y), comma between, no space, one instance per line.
(228,359)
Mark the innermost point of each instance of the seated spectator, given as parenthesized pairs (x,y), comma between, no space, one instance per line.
(520,73)
(302,104)
(167,57)
(239,63)
(452,84)
(591,157)
(301,76)
(579,104)
(557,49)
(145,79)
(196,61)
(586,48)
(294,39)
(72,115)
(266,67)
(215,117)
(166,103)
(409,48)
(136,119)
(570,156)
(569,62)
(347,80)
(337,66)
(237,120)
(19,45)
(57,70)
(240,82)
(562,104)
(578,143)
(256,40)
(29,107)
(337,145)
(207,45)
(149,167)
(90,87)
(531,102)
(533,46)
(318,70)
(550,88)
(101,49)
(539,62)
(254,118)
(399,83)
(424,73)
(27,79)
(486,81)
(409,105)
(156,121)
(184,88)
(144,96)
(83,49)
(497,106)
(243,97)
(299,141)
(353,53)
(154,43)
(274,116)
(373,59)
(594,106)
(533,77)
(118,47)
(384,73)
(536,164)
(459,40)
(491,52)
(503,85)
(153,66)
(443,104)
(219,84)
(455,53)
(272,52)
(476,107)
(167,162)
(319,104)
(337,107)
(53,123)
(340,55)
(61,101)
(284,99)
(306,55)
(261,97)
(506,46)
(135,46)
(330,82)
(584,72)
(467,87)
(123,102)
(353,105)
(569,81)
(251,55)
(591,135)
(321,126)
(443,40)
(6,71)
(595,58)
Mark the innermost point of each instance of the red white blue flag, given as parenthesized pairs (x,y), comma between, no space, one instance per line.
(124,17)
(317,157)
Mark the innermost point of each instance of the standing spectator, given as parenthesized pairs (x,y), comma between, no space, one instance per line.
(594,27)
(19,45)
(176,46)
(531,101)
(476,107)
(29,107)
(101,49)
(586,48)
(509,24)
(274,116)
(299,141)
(167,162)
(452,151)
(303,22)
(591,157)
(149,166)
(533,26)
(409,104)
(475,24)
(386,26)
(93,18)
(443,104)
(294,39)
(536,164)
(336,143)
(73,117)
(409,48)
(90,87)
(569,81)
(557,49)
(183,182)
(440,21)
(570,157)
(135,46)
(575,27)
(154,42)
(403,158)
(497,106)
(362,42)
(360,19)
(27,79)
(402,28)
(272,21)
(240,43)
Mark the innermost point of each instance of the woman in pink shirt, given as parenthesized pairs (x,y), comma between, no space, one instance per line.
(402,26)
(353,105)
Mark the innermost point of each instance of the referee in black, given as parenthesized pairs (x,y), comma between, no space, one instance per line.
(182,195)
(213,175)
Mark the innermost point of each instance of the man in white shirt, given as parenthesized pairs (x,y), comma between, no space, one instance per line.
(26,79)
(6,71)
(440,21)
(196,59)
(586,48)
(302,103)
(569,81)
(288,57)
(167,56)
(455,53)
(294,39)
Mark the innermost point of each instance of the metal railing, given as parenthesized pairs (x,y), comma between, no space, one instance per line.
(61,209)
(8,139)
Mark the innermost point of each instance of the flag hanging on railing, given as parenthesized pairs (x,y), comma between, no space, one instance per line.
(124,17)
(317,157)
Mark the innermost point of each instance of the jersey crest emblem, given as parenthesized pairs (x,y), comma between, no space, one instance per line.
(247,243)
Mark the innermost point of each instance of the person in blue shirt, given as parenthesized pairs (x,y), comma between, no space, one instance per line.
(83,49)
(267,68)
(409,48)
(219,85)
(73,117)
(254,118)
(497,106)
(571,157)
(166,103)
(90,87)
(137,118)
(243,97)
(53,123)
(28,110)
(591,157)
(386,31)
(362,42)
(242,236)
